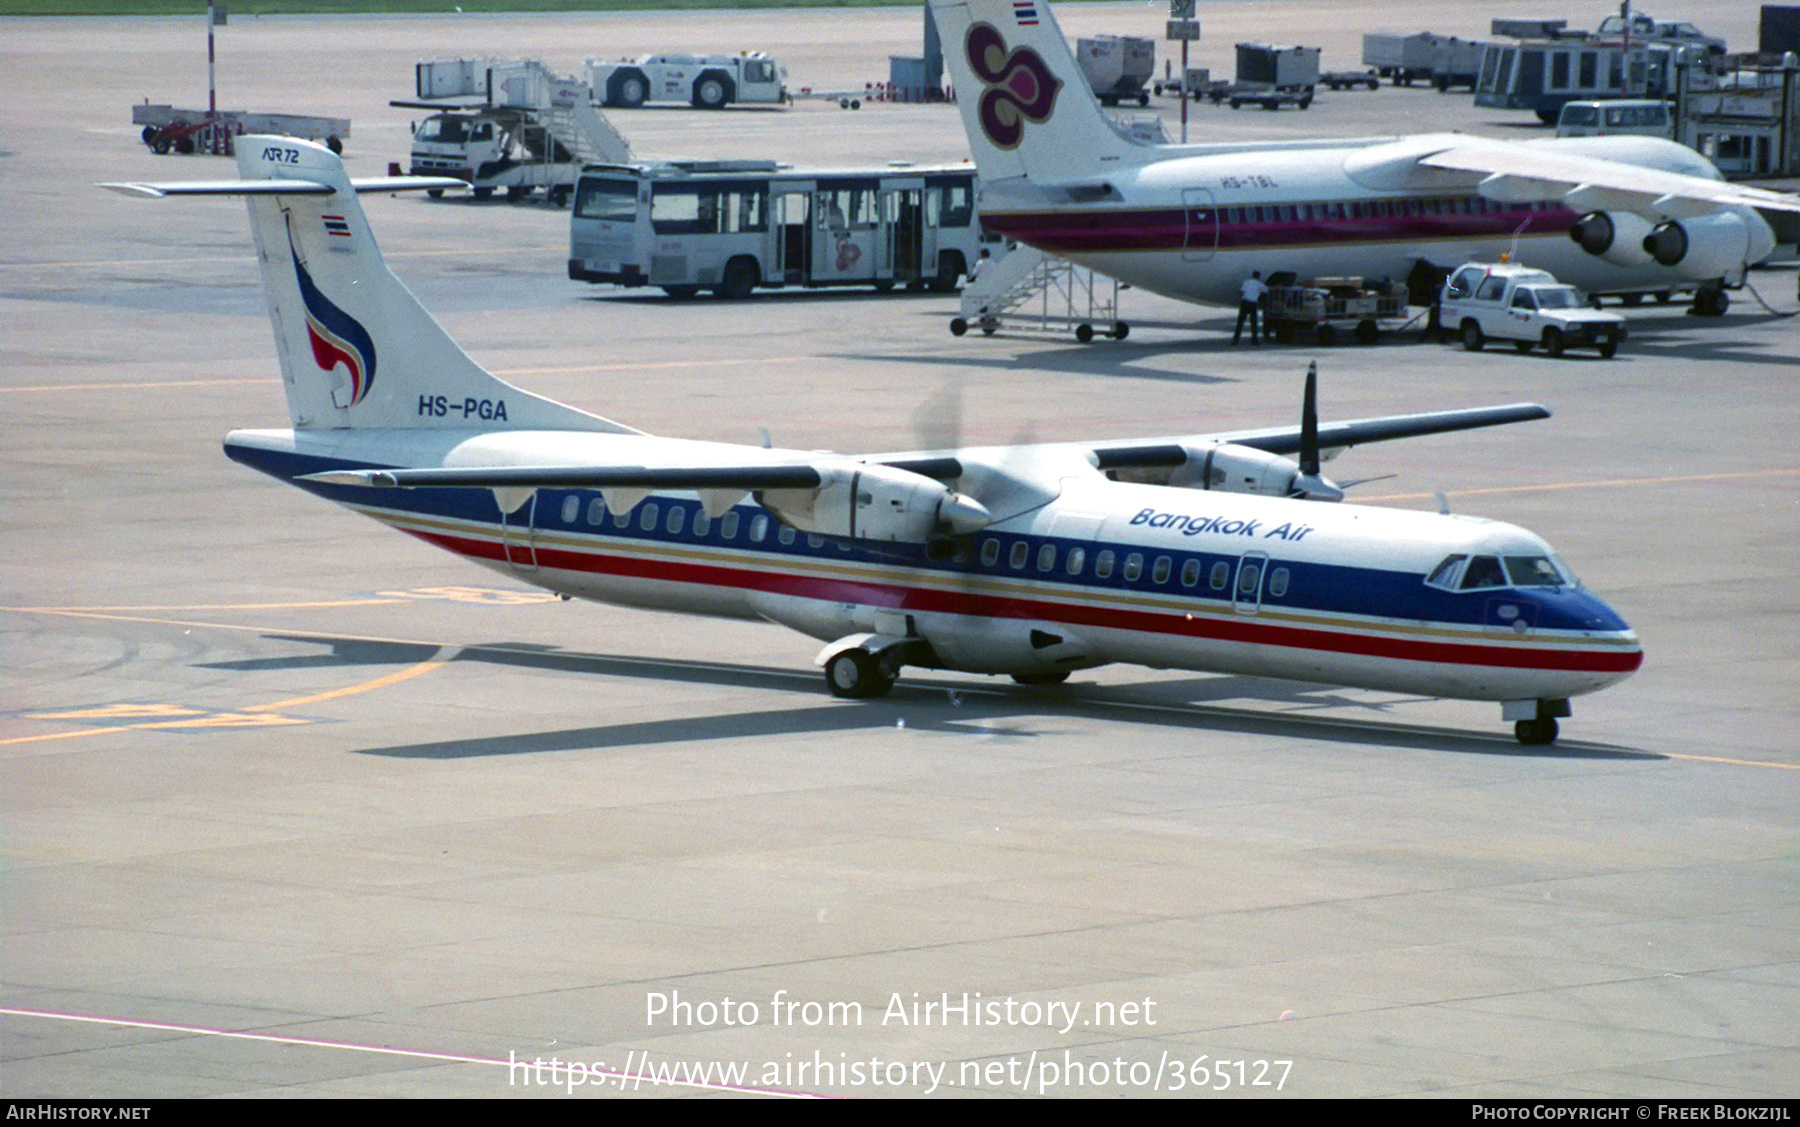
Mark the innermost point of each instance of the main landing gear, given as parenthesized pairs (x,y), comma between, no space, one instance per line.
(1534,721)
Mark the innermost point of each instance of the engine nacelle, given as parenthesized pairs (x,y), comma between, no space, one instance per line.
(1230,468)
(1712,246)
(1617,236)
(873,502)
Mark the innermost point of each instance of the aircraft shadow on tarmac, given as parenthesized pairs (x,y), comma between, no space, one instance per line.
(984,709)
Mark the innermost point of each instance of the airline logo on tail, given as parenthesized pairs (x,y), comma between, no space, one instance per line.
(1019,88)
(337,338)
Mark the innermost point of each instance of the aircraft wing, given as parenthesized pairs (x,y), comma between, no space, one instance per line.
(722,481)
(791,475)
(1541,171)
(1331,436)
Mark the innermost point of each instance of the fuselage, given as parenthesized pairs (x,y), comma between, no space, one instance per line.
(1102,572)
(1194,225)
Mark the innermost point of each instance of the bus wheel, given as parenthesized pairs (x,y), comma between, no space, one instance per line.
(740,278)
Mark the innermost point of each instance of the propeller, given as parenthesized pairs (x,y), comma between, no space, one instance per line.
(1310,483)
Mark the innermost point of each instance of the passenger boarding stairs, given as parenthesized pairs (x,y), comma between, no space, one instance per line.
(1026,290)
(562,108)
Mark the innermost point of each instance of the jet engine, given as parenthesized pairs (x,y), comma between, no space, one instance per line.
(1617,236)
(874,502)
(1711,246)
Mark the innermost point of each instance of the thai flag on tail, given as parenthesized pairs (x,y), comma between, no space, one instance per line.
(1025,13)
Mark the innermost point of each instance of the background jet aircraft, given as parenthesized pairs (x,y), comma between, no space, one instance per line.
(1604,214)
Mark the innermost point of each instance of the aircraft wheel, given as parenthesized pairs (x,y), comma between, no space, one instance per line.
(1120,330)
(1553,342)
(1084,332)
(1535,733)
(856,675)
(958,326)
(1050,677)
(1471,337)
(1367,332)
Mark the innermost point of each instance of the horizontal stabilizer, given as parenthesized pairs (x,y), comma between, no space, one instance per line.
(284,187)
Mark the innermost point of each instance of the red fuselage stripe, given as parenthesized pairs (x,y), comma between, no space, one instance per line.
(1246,629)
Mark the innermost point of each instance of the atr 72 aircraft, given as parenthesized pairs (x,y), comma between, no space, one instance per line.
(1203,552)
(1605,214)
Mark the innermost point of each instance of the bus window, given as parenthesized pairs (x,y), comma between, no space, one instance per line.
(848,206)
(614,201)
(951,203)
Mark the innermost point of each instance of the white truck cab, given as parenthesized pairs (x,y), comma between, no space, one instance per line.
(1504,301)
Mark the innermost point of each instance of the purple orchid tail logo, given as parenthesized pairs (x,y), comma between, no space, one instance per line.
(1018,87)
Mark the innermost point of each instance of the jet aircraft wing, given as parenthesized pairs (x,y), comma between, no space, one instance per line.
(1531,171)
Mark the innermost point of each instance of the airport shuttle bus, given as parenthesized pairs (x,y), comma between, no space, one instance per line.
(732,226)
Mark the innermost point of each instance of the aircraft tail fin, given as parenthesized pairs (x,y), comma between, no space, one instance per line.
(357,350)
(1027,109)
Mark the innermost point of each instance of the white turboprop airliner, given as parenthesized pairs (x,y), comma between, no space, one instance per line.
(1214,552)
(1608,215)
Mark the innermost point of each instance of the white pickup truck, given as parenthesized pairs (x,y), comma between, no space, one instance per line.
(1502,301)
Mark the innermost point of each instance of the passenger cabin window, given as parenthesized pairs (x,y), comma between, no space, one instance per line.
(759,527)
(1190,573)
(1134,567)
(1103,565)
(1221,575)
(728,526)
(1278,582)
(1077,557)
(571,510)
(596,511)
(786,535)
(1020,551)
(1160,573)
(1047,557)
(647,519)
(677,517)
(990,553)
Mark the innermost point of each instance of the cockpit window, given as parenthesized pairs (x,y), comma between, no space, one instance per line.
(1444,574)
(1535,571)
(1483,571)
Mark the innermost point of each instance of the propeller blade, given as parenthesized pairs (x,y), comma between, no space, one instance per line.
(1309,423)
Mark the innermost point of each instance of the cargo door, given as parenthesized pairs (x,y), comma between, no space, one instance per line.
(517,536)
